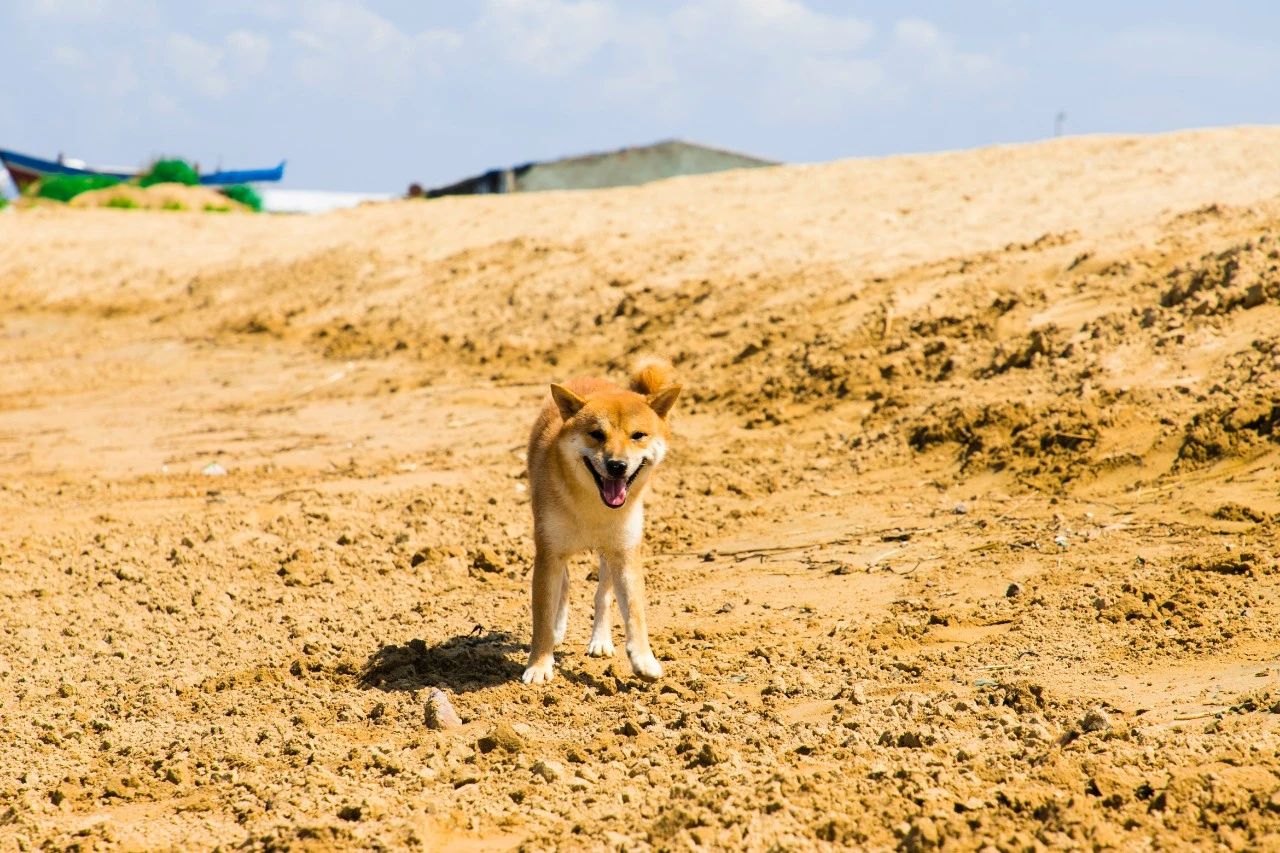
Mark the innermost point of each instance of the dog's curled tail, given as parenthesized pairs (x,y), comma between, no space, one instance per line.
(651,374)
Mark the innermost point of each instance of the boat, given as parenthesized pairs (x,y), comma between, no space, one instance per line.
(25,170)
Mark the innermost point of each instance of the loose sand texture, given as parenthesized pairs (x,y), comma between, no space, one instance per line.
(967,538)
(167,196)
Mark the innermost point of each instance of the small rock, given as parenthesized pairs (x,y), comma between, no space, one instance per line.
(1013,591)
(502,737)
(910,740)
(486,560)
(577,783)
(439,713)
(708,756)
(1095,721)
(549,770)
(214,469)
(1036,732)
(923,835)
(629,729)
(858,694)
(960,509)
(1060,541)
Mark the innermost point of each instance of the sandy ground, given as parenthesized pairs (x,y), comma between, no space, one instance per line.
(967,539)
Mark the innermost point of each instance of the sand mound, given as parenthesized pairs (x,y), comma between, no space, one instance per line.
(967,537)
(159,197)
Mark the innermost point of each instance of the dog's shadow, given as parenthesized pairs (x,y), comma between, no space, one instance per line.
(462,664)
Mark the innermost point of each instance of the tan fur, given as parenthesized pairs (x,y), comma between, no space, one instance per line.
(588,425)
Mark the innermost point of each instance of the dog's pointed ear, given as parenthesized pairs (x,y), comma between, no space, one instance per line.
(566,401)
(662,401)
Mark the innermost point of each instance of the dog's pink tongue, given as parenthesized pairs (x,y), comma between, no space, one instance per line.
(614,491)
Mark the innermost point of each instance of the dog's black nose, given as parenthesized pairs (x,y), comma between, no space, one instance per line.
(615,467)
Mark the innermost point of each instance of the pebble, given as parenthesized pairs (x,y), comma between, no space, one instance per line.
(439,713)
(1095,721)
(214,469)
(486,560)
(549,770)
(708,756)
(502,737)
(924,833)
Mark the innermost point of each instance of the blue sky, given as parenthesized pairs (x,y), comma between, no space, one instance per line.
(369,95)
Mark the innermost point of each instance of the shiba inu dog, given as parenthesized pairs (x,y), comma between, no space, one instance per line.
(593,448)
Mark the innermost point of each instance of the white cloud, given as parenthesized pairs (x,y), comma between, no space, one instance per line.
(916,33)
(215,70)
(778,59)
(198,65)
(248,52)
(109,75)
(551,37)
(774,26)
(934,54)
(343,47)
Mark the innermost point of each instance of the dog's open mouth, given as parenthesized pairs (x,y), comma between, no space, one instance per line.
(613,490)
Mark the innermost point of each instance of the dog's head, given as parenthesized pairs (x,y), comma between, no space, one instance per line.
(613,441)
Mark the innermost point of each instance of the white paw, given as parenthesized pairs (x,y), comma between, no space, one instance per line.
(600,648)
(537,673)
(646,666)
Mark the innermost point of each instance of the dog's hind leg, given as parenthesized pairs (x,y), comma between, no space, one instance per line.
(628,584)
(601,645)
(562,608)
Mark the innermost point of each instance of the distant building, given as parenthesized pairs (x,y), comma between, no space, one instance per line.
(622,168)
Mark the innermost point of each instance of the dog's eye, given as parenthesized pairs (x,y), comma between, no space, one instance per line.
(638,436)
(597,434)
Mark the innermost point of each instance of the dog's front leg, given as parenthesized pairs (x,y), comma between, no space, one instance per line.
(548,584)
(628,585)
(601,645)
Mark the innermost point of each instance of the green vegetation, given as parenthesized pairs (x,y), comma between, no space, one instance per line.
(4,202)
(170,172)
(67,187)
(244,194)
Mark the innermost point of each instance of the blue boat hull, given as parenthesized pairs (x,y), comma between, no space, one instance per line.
(25,169)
